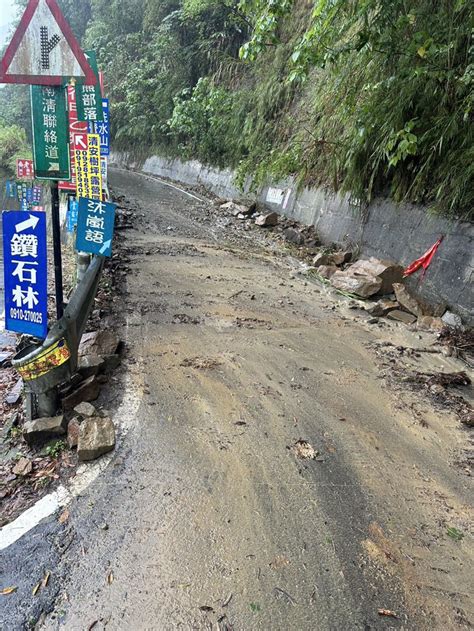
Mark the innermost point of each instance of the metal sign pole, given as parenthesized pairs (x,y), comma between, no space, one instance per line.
(58,265)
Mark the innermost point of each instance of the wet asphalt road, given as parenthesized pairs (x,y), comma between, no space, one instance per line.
(205,518)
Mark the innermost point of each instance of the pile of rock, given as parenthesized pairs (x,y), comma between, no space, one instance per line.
(91,433)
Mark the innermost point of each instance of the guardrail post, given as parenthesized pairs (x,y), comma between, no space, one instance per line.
(47,404)
(83,262)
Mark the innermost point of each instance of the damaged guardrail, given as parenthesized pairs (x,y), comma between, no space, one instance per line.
(45,367)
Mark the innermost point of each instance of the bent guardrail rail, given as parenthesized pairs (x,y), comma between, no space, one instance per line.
(54,362)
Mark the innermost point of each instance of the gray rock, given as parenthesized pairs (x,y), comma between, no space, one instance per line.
(402,316)
(293,236)
(90,365)
(98,343)
(88,390)
(321,259)
(430,323)
(85,410)
(382,307)
(267,221)
(363,286)
(73,430)
(96,438)
(111,362)
(406,300)
(388,272)
(43,429)
(339,258)
(327,271)
(452,319)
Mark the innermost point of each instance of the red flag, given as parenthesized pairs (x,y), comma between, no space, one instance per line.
(424,261)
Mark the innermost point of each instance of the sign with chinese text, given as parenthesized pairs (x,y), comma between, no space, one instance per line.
(37,195)
(50,133)
(72,214)
(25,170)
(43,50)
(75,126)
(25,261)
(89,97)
(88,172)
(103,129)
(11,189)
(25,195)
(95,227)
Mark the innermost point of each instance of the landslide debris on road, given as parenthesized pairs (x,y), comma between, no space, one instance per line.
(213,514)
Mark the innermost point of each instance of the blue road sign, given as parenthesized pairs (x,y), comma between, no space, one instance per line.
(95,227)
(26,272)
(72,214)
(11,189)
(103,129)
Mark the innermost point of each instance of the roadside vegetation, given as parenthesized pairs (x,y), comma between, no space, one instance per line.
(368,96)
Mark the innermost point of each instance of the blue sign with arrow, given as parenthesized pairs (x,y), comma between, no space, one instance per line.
(26,272)
(95,227)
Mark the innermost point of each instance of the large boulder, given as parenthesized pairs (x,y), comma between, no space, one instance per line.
(267,221)
(406,300)
(43,429)
(96,438)
(360,285)
(388,272)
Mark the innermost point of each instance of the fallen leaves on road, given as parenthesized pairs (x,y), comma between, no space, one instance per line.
(304,450)
(36,588)
(64,516)
(455,534)
(281,593)
(110,578)
(8,590)
(388,613)
(279,562)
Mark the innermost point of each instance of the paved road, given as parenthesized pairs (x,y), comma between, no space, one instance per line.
(206,518)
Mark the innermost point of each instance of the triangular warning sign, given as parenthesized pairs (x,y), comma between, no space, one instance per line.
(43,50)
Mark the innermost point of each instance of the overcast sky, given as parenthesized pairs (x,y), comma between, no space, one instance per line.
(7,11)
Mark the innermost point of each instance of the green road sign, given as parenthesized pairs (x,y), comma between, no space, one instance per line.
(50,133)
(89,97)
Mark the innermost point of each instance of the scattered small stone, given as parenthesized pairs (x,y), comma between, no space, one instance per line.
(452,319)
(339,258)
(430,323)
(15,393)
(85,409)
(43,429)
(373,321)
(321,259)
(293,236)
(382,307)
(96,438)
(23,467)
(267,221)
(327,271)
(402,316)
(104,526)
(304,450)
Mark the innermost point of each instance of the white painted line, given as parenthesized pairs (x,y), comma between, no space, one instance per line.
(45,507)
(150,176)
(85,475)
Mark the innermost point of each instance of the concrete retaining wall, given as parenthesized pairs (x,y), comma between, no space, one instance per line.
(400,232)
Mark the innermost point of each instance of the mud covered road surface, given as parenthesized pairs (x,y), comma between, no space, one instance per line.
(208,515)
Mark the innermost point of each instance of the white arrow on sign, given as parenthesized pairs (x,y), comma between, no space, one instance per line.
(105,247)
(32,222)
(43,50)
